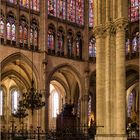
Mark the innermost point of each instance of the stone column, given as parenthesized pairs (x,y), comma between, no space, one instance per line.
(100,77)
(85,54)
(120,78)
(107,114)
(43,55)
(65,44)
(84,110)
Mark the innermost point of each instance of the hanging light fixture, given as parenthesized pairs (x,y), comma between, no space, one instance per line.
(32,98)
(21,111)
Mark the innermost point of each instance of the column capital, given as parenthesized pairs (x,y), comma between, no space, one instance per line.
(120,24)
(110,29)
(99,31)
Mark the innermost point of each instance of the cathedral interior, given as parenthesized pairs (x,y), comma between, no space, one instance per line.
(69,69)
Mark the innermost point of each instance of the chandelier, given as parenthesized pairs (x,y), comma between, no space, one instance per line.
(21,111)
(32,99)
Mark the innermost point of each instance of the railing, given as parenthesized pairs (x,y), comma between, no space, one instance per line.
(133,134)
(77,133)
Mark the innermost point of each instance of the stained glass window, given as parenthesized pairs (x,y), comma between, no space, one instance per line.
(79,11)
(8,31)
(14,100)
(55,102)
(52,7)
(20,34)
(51,39)
(70,48)
(13,1)
(60,41)
(134,12)
(1,102)
(24,3)
(1,26)
(34,34)
(79,108)
(61,9)
(127,46)
(135,43)
(35,37)
(91,14)
(78,46)
(13,32)
(89,106)
(31,36)
(131,103)
(35,5)
(23,31)
(71,10)
(11,28)
(92,47)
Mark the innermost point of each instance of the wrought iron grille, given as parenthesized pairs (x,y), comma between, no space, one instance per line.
(79,133)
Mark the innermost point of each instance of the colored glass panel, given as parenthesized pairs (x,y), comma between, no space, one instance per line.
(91,14)
(50,39)
(78,46)
(60,40)
(13,32)
(79,11)
(1,102)
(61,9)
(11,28)
(135,43)
(92,48)
(1,27)
(134,12)
(71,10)
(24,3)
(13,1)
(52,7)
(70,45)
(8,31)
(127,46)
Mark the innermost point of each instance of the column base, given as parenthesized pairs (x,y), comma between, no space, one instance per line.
(111,137)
